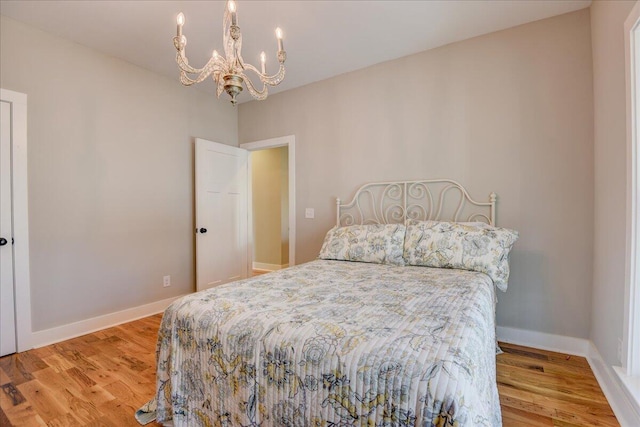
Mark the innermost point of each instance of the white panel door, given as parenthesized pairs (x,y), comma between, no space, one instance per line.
(221,214)
(7,300)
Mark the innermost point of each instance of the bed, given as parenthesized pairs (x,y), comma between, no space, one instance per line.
(357,337)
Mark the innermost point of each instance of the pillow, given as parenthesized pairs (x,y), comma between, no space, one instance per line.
(467,246)
(376,243)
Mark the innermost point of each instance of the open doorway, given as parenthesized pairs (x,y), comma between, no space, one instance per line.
(271,204)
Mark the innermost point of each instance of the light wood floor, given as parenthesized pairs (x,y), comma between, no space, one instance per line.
(543,388)
(102,378)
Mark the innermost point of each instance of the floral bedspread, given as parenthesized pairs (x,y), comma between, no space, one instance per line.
(332,343)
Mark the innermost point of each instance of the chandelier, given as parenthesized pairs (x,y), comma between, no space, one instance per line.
(229,71)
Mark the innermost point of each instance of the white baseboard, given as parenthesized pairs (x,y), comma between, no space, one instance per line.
(621,405)
(544,341)
(268,267)
(83,327)
(626,412)
(631,385)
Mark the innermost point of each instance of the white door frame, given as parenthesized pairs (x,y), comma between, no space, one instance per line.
(629,374)
(632,291)
(22,281)
(288,141)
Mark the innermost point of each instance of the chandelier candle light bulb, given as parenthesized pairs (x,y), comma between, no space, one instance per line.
(279,37)
(180,20)
(229,71)
(232,9)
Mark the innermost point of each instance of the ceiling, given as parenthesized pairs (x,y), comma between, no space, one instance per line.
(322,38)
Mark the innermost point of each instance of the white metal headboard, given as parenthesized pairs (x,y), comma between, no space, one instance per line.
(394,202)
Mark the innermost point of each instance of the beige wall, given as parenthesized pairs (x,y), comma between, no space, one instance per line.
(270,205)
(110,175)
(110,159)
(509,112)
(610,141)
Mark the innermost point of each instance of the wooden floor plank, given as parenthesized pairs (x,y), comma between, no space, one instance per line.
(23,416)
(4,378)
(42,399)
(83,411)
(552,385)
(4,421)
(557,387)
(97,395)
(545,366)
(66,420)
(557,410)
(15,369)
(101,379)
(121,414)
(551,356)
(517,417)
(13,394)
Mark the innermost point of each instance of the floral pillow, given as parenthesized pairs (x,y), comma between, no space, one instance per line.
(376,243)
(467,246)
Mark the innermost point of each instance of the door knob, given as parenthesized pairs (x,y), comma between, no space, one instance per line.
(3,241)
(203,230)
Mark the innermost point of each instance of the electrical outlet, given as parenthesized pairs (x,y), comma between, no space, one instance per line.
(309,213)
(620,350)
(166,281)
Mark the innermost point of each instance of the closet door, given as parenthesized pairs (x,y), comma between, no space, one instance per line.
(7,296)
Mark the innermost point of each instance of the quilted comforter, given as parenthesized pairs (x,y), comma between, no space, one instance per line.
(332,343)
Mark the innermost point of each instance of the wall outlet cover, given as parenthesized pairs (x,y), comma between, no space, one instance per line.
(166,281)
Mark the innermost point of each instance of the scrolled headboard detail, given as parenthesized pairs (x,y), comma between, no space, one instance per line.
(430,199)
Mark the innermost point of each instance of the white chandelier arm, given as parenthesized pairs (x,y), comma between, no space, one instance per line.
(219,82)
(257,94)
(214,66)
(183,62)
(188,81)
(239,60)
(268,80)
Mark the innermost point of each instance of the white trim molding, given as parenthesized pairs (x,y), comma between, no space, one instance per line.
(623,407)
(20,202)
(631,355)
(631,387)
(627,377)
(543,341)
(283,141)
(87,326)
(263,266)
